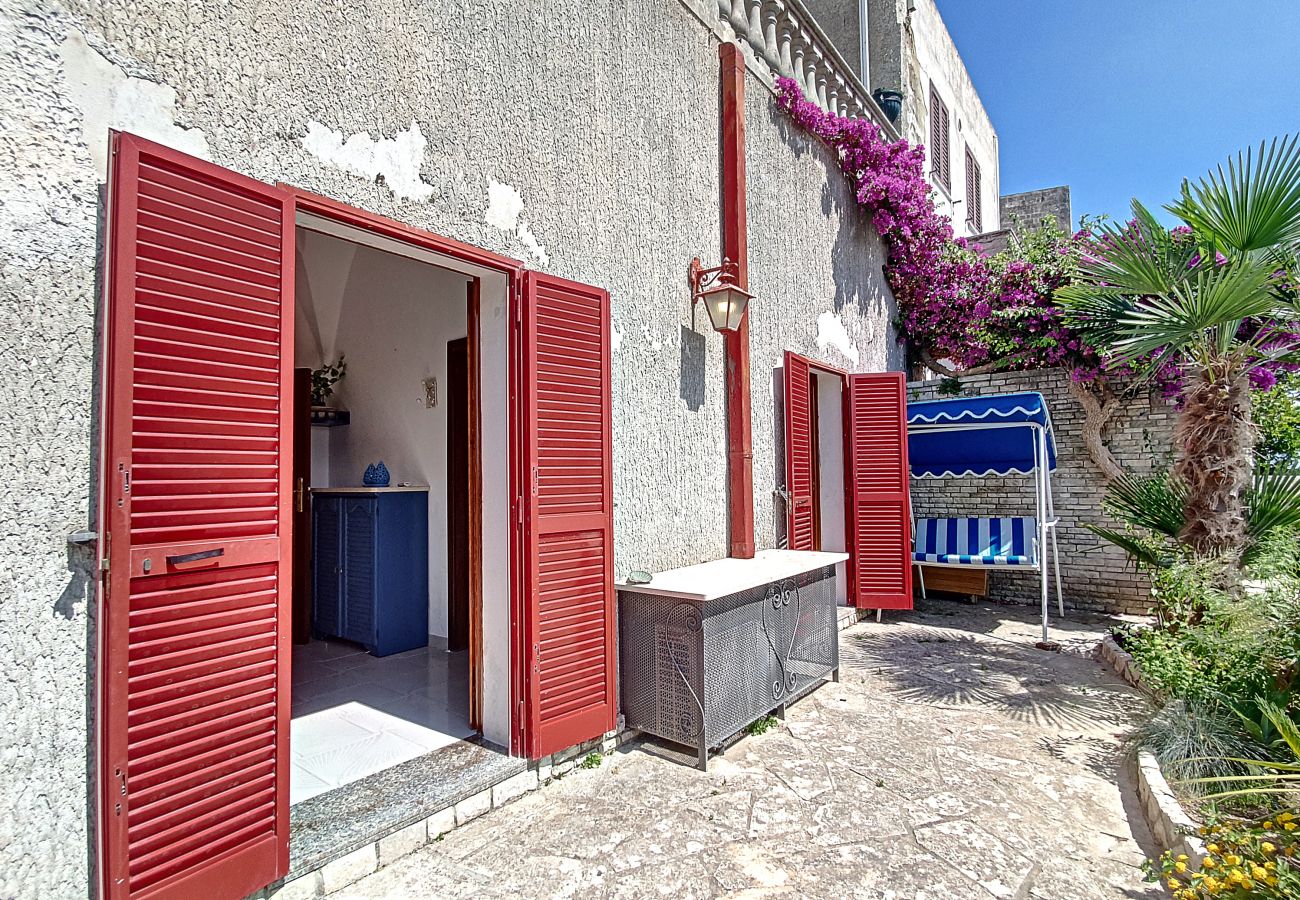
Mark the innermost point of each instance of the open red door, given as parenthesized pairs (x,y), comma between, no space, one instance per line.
(568,566)
(798,453)
(194,712)
(880,541)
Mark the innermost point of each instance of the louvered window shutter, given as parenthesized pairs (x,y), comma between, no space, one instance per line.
(798,453)
(195,770)
(936,140)
(947,152)
(568,502)
(974,208)
(880,568)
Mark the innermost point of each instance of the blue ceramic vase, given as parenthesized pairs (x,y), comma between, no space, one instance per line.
(376,475)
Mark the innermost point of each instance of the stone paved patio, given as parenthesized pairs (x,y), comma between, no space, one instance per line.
(952,761)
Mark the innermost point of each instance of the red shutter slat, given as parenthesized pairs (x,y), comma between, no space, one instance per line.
(880,568)
(568,499)
(798,453)
(195,693)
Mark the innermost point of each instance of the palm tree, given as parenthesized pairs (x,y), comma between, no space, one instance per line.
(1212,297)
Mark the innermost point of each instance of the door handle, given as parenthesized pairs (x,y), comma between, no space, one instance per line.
(298,495)
(195,557)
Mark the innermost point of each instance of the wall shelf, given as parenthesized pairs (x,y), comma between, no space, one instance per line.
(328,417)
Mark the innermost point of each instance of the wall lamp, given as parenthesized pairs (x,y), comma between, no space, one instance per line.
(725,300)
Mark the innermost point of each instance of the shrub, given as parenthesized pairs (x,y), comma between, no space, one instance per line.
(1245,859)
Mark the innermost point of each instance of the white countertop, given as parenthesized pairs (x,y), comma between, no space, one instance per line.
(723,577)
(367,489)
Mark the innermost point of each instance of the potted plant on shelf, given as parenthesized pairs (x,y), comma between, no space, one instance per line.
(322,388)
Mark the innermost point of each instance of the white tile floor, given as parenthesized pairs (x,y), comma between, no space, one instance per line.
(354,714)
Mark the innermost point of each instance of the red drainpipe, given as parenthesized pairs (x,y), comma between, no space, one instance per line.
(740,442)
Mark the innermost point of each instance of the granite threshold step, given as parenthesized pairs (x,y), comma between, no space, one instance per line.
(343,835)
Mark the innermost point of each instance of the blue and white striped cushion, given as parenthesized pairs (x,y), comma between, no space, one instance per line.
(976,541)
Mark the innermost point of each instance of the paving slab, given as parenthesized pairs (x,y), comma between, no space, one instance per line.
(953,760)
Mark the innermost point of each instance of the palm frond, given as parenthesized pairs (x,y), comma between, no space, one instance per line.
(1140,553)
(1273,502)
(1153,502)
(1138,259)
(1253,205)
(1209,308)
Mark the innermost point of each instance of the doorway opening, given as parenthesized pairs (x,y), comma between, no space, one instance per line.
(401,602)
(830,521)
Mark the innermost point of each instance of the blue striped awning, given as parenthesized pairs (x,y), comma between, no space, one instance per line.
(977,436)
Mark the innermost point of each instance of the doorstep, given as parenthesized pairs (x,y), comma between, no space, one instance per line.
(332,827)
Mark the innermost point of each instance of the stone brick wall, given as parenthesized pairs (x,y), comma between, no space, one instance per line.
(1094,575)
(1028,209)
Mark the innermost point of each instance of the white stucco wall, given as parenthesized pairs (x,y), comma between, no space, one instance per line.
(910,48)
(598,126)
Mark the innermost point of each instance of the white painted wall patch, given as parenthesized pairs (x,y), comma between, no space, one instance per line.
(109,98)
(505,205)
(831,333)
(398,158)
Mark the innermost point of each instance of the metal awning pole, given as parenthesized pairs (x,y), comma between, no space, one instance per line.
(1040,473)
(1056,556)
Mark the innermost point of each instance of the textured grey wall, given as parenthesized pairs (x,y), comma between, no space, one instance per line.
(599,119)
(841,22)
(1094,575)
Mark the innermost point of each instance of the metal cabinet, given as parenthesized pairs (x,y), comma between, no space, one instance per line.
(370,570)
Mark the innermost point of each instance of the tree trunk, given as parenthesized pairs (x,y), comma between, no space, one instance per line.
(1215,439)
(1099,405)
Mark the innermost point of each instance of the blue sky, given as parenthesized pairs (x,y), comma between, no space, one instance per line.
(1124,98)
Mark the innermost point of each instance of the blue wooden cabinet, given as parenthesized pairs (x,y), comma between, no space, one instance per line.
(370,569)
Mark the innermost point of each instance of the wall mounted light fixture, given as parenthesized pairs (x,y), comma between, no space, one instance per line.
(724,299)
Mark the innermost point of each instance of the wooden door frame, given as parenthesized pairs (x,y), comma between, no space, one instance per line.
(346,214)
(846,435)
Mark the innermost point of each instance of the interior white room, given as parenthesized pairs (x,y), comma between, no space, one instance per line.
(829,460)
(391,310)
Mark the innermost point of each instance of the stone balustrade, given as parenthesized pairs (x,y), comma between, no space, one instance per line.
(784,39)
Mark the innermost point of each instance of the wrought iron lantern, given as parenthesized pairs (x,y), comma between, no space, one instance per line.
(725,300)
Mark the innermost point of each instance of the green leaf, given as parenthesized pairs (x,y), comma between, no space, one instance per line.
(1136,550)
(1254,205)
(1200,317)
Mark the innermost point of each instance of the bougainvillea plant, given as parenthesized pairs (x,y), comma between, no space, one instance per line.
(961,310)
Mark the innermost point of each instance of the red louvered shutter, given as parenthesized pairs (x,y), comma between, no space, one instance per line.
(880,567)
(798,453)
(195,687)
(568,501)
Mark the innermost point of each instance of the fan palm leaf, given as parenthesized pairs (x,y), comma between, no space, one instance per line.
(1252,205)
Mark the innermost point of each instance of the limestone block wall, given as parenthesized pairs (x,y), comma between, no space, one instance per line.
(582,138)
(1095,575)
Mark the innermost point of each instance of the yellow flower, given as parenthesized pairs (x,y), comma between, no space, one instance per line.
(1259,873)
(1182,857)
(1209,863)
(1180,867)
(1267,847)
(1213,848)
(1174,883)
(1247,884)
(1232,859)
(1285,817)
(1268,824)
(1289,826)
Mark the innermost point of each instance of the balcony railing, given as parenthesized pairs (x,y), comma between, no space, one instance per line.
(785,40)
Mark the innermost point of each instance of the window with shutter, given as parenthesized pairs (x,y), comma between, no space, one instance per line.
(880,563)
(195,506)
(940,157)
(974,202)
(568,513)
